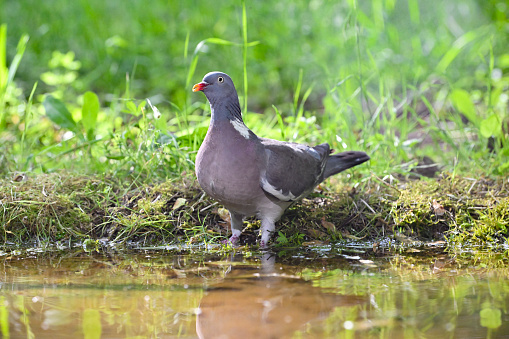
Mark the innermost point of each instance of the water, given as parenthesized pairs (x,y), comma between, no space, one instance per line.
(318,293)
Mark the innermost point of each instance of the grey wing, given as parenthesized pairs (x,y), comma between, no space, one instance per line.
(292,170)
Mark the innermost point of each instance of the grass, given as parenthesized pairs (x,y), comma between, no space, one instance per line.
(109,99)
(63,207)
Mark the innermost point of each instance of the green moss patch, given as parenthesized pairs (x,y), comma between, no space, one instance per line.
(471,211)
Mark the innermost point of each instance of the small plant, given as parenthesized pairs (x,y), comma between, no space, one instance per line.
(294,240)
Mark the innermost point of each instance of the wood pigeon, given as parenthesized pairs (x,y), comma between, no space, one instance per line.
(250,175)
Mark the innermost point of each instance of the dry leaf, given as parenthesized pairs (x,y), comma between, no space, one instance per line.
(317,234)
(438,208)
(179,203)
(345,233)
(19,177)
(224,214)
(328,225)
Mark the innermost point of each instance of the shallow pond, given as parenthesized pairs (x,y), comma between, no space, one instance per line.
(321,292)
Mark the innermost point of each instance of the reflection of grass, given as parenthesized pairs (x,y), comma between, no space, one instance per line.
(4,318)
(23,307)
(112,312)
(403,292)
(134,294)
(419,295)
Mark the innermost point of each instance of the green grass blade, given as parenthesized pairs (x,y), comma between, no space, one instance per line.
(28,115)
(20,50)
(455,50)
(280,122)
(304,99)
(297,92)
(3,58)
(413,9)
(89,112)
(186,45)
(192,69)
(244,51)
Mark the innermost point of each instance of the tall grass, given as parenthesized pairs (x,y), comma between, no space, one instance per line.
(398,79)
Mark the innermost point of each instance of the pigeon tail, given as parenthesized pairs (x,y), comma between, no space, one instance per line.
(343,161)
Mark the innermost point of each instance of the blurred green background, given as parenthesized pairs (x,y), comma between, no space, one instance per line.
(399,79)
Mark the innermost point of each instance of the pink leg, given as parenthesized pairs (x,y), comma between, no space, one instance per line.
(268,227)
(236,223)
(234,240)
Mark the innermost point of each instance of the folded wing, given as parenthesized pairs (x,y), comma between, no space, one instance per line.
(292,170)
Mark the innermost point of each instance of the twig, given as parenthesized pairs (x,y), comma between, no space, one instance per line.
(365,203)
(209,206)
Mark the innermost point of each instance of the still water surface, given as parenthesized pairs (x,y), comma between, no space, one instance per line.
(322,292)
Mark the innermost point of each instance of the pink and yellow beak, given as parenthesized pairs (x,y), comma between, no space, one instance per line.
(200,86)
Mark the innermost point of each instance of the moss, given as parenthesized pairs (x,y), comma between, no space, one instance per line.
(63,206)
(468,211)
(43,207)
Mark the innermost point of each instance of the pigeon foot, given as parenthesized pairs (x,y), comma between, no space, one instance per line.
(234,240)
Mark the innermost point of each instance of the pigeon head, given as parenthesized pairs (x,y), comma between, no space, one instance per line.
(216,85)
(219,89)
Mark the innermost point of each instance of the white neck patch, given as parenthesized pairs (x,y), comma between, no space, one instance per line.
(241,128)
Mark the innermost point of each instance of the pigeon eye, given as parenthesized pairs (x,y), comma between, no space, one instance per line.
(220,79)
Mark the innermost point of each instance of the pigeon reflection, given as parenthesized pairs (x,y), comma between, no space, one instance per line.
(265,304)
